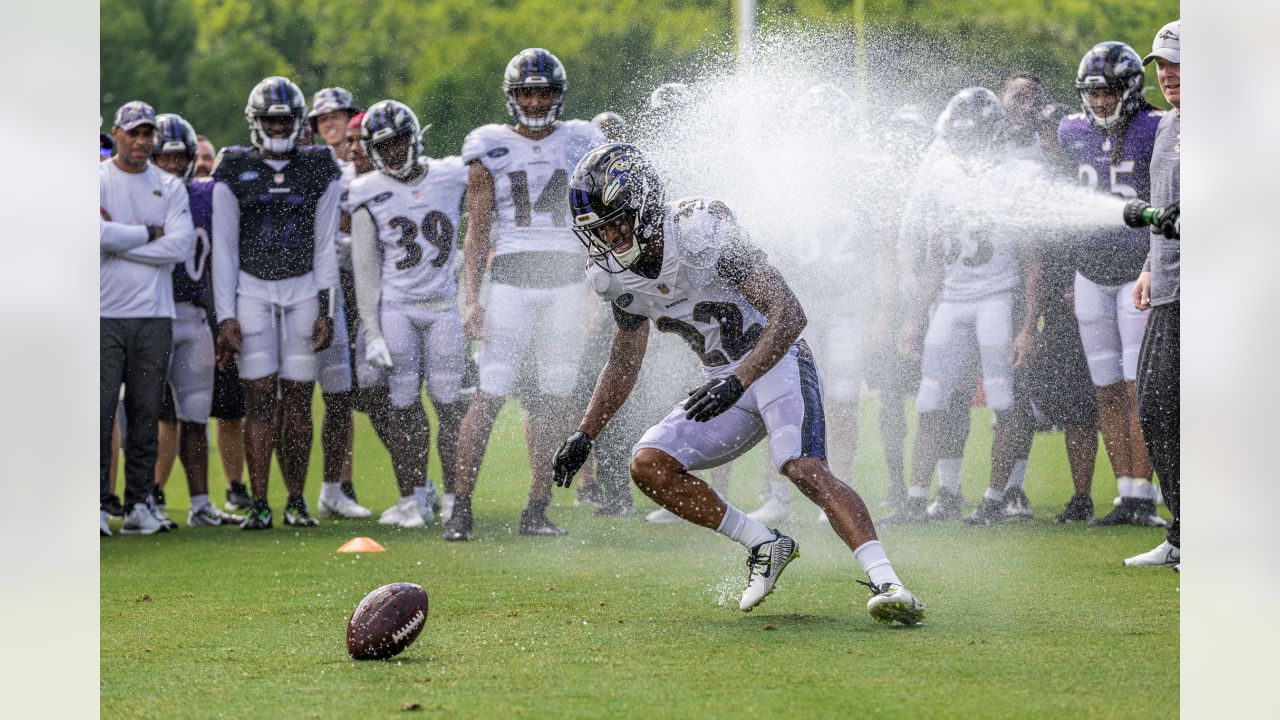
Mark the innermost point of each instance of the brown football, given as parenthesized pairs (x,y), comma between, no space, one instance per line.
(387,621)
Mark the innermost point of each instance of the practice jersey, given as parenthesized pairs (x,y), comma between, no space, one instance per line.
(531,183)
(417,228)
(705,255)
(1112,256)
(191,278)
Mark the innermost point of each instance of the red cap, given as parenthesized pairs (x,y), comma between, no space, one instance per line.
(355,120)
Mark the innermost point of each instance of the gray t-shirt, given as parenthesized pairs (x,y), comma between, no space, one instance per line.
(1166,165)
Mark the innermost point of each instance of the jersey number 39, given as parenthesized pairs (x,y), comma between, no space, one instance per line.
(436,230)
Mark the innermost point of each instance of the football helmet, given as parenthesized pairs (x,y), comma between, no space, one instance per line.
(175,135)
(385,120)
(610,182)
(331,99)
(611,125)
(669,96)
(1116,66)
(534,68)
(973,123)
(275,97)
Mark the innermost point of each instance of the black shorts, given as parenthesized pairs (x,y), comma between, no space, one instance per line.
(1058,378)
(228,394)
(169,410)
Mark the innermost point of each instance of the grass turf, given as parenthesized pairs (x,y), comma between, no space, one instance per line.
(622,616)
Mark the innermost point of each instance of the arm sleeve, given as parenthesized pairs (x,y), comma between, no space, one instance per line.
(325,262)
(226,251)
(179,234)
(366,262)
(625,320)
(117,237)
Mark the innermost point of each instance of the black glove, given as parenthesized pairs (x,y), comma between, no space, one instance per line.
(570,457)
(713,398)
(1168,223)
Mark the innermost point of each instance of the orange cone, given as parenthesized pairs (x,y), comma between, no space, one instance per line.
(361,545)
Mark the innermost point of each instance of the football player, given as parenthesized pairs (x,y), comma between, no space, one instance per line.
(690,269)
(985,281)
(536,292)
(275,215)
(404,225)
(1111,142)
(192,361)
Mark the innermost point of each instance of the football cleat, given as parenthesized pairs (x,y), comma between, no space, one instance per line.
(406,514)
(103,530)
(210,515)
(774,510)
(339,505)
(1162,555)
(158,496)
(912,511)
(113,507)
(446,507)
(296,514)
(238,497)
(258,517)
(1079,509)
(946,505)
(349,490)
(535,522)
(458,528)
(988,512)
(1016,504)
(891,602)
(1144,513)
(160,516)
(765,563)
(141,521)
(662,516)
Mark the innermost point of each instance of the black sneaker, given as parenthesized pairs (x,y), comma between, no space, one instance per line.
(258,517)
(1122,514)
(238,497)
(988,512)
(535,522)
(158,494)
(113,507)
(946,505)
(1144,513)
(458,528)
(296,514)
(1079,509)
(912,511)
(1016,504)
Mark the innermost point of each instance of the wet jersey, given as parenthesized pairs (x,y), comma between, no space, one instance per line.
(417,228)
(531,183)
(1112,256)
(705,256)
(191,277)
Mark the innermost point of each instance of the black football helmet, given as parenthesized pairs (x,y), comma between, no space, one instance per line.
(973,124)
(175,135)
(331,99)
(385,120)
(275,97)
(1111,65)
(612,181)
(534,68)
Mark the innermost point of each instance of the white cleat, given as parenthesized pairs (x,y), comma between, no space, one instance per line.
(406,514)
(446,507)
(765,563)
(103,530)
(1163,555)
(893,603)
(426,511)
(774,511)
(141,521)
(339,505)
(211,516)
(662,516)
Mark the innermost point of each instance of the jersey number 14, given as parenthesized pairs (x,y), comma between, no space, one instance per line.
(553,199)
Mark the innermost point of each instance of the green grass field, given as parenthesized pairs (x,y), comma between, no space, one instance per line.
(624,618)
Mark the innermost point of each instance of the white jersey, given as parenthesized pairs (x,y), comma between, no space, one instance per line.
(705,254)
(417,230)
(951,212)
(343,239)
(531,183)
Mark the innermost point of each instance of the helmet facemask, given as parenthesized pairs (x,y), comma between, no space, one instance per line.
(553,113)
(1125,106)
(413,148)
(259,137)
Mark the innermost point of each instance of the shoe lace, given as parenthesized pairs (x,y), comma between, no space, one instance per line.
(758,561)
(875,589)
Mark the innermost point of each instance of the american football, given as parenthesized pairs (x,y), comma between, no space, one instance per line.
(387,621)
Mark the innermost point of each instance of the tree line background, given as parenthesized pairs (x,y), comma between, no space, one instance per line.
(445,58)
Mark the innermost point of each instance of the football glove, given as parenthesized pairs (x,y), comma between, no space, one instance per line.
(713,398)
(377,354)
(1169,224)
(570,457)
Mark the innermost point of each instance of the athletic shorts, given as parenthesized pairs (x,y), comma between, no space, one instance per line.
(1058,378)
(191,364)
(957,332)
(277,339)
(546,322)
(335,361)
(424,344)
(785,405)
(1111,330)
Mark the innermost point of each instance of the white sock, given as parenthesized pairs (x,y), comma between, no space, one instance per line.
(199,501)
(949,473)
(871,556)
(917,492)
(993,494)
(1124,484)
(1143,488)
(1018,475)
(330,489)
(738,527)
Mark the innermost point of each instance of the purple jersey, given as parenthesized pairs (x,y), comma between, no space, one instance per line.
(191,278)
(1112,256)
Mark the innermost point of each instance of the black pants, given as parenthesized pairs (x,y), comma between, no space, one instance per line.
(1159,412)
(133,352)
